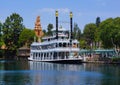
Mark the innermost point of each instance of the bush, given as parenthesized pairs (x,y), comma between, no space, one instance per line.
(116,59)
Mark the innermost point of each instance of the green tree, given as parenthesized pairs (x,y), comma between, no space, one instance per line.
(12,27)
(0,30)
(97,38)
(116,32)
(89,33)
(106,32)
(76,32)
(44,31)
(110,33)
(97,33)
(49,28)
(98,21)
(0,33)
(26,37)
(83,44)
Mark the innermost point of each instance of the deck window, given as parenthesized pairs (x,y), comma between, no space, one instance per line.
(60,44)
(64,44)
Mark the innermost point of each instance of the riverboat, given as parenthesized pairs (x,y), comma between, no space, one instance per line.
(58,48)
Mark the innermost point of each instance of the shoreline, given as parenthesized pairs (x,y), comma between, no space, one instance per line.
(92,62)
(101,62)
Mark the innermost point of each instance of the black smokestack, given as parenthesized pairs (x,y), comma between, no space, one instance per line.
(56,14)
(71,35)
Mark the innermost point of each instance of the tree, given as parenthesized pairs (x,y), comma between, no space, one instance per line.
(26,37)
(97,38)
(110,33)
(12,28)
(89,33)
(76,32)
(98,21)
(106,35)
(97,33)
(83,44)
(1,41)
(49,28)
(44,31)
(116,31)
(0,31)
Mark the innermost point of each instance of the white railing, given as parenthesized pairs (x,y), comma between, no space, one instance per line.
(54,41)
(58,49)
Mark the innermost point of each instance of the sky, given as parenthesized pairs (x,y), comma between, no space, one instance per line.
(84,11)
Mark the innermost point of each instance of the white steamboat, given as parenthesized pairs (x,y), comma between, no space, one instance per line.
(59,47)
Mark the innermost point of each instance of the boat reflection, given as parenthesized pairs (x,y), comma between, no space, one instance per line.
(54,66)
(44,73)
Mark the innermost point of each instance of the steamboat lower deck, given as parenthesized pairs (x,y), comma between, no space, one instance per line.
(63,61)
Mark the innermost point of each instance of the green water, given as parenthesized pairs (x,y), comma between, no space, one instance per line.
(37,73)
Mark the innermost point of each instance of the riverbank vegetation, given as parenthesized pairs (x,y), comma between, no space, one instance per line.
(101,34)
(115,59)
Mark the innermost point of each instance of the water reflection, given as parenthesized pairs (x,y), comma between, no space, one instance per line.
(41,73)
(110,73)
(54,74)
(54,66)
(13,73)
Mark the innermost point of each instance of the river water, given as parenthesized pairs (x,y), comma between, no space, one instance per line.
(41,73)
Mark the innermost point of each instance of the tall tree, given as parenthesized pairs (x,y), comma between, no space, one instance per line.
(26,37)
(76,32)
(1,42)
(44,31)
(98,21)
(110,32)
(89,33)
(12,28)
(97,33)
(106,27)
(49,28)
(0,31)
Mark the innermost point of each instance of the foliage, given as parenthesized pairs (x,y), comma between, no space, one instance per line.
(110,32)
(49,28)
(0,30)
(116,32)
(12,28)
(105,35)
(115,60)
(82,44)
(26,37)
(44,31)
(89,33)
(98,21)
(1,42)
(76,32)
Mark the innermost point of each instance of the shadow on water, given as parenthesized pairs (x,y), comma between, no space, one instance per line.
(13,73)
(41,73)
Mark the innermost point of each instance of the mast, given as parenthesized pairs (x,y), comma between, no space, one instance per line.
(56,14)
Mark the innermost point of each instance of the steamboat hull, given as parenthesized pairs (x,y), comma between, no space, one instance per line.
(62,61)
